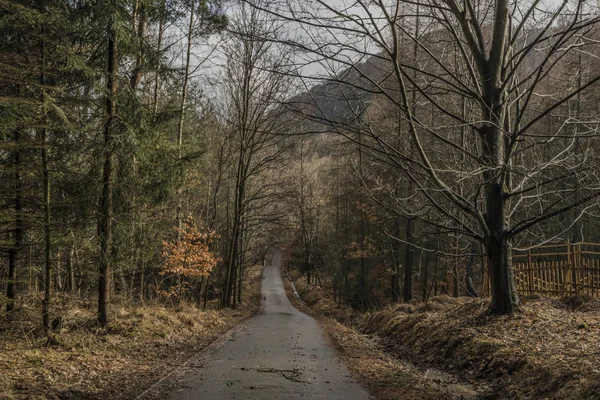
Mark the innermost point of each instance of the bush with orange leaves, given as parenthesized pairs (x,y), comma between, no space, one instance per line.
(191,255)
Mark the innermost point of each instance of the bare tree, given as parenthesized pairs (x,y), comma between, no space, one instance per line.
(495,59)
(255,84)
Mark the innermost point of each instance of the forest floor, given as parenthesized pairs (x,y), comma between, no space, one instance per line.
(142,344)
(452,348)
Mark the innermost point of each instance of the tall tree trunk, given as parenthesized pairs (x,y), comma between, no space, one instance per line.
(18,230)
(58,279)
(240,192)
(436,265)
(206,287)
(303,224)
(463,141)
(200,290)
(346,260)
(240,277)
(180,123)
(455,281)
(234,285)
(498,247)
(362,283)
(426,274)
(504,293)
(576,234)
(142,281)
(409,255)
(47,233)
(31,285)
(71,286)
(408,260)
(106,207)
(395,286)
(235,236)
(140,18)
(161,22)
(47,227)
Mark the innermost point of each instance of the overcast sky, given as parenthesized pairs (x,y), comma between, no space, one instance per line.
(312,66)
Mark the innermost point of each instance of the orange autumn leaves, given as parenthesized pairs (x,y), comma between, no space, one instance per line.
(191,255)
(365,249)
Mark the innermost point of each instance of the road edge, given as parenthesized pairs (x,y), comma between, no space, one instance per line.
(155,389)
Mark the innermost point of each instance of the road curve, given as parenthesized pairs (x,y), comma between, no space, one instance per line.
(280,354)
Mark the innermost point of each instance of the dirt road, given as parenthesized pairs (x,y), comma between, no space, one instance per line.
(280,354)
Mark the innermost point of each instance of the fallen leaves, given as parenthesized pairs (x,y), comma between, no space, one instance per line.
(547,349)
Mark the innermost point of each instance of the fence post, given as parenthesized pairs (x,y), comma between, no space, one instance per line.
(530,271)
(574,289)
(595,265)
(566,269)
(579,269)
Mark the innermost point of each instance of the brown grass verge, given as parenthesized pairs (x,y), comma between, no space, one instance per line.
(387,377)
(139,346)
(548,349)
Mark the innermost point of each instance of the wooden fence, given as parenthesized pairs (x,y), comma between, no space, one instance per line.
(557,270)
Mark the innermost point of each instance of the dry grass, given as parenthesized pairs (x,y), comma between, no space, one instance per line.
(545,350)
(388,377)
(384,375)
(141,344)
(548,349)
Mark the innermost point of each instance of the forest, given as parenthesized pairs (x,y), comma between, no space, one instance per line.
(411,167)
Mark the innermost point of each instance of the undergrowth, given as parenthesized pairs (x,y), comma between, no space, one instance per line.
(548,349)
(140,345)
